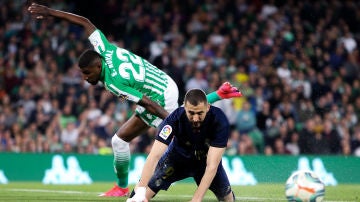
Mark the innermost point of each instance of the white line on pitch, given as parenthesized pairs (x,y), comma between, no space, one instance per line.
(237,197)
(52,191)
(158,195)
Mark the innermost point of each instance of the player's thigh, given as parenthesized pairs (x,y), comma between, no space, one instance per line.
(169,103)
(132,128)
(150,119)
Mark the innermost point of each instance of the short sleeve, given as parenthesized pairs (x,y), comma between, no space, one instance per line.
(167,128)
(98,41)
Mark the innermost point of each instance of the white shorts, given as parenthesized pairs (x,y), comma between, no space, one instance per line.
(171,96)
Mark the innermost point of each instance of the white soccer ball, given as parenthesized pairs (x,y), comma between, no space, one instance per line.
(304,186)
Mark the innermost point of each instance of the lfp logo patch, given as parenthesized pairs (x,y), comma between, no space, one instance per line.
(165,132)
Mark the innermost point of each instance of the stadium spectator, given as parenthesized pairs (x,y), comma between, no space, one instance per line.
(245,119)
(70,134)
(279,147)
(233,143)
(306,137)
(157,47)
(246,145)
(332,137)
(355,142)
(192,49)
(263,117)
(292,146)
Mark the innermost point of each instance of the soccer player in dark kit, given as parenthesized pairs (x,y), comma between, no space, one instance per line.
(190,143)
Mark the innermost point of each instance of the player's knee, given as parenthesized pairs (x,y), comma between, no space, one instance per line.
(118,144)
(150,194)
(124,135)
(227,198)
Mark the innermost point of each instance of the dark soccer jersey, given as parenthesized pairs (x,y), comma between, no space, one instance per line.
(214,132)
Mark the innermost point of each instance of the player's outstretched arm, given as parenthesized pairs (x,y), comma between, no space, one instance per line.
(41,12)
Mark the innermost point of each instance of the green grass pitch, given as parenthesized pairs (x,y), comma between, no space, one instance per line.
(26,191)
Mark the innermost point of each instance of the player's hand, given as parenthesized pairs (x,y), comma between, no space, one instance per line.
(226,90)
(39,11)
(139,196)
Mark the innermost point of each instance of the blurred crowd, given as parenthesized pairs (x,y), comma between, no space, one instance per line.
(297,63)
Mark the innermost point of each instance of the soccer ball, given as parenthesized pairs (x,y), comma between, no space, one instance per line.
(304,186)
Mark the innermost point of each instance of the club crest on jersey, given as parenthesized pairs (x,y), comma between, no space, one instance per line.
(165,132)
(95,43)
(123,97)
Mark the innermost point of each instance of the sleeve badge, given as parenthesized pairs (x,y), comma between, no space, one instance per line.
(165,132)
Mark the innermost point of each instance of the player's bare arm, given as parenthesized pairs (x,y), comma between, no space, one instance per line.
(155,154)
(41,12)
(153,107)
(152,160)
(212,162)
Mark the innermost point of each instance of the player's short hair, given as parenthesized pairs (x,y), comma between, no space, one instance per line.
(195,97)
(88,57)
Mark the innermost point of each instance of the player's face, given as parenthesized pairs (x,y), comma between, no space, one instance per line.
(91,74)
(196,114)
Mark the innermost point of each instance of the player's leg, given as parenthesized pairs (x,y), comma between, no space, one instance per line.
(171,168)
(220,185)
(225,91)
(135,126)
(228,198)
(132,128)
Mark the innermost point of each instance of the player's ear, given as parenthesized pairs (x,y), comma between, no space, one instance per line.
(98,63)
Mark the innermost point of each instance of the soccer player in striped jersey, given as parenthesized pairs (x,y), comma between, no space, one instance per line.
(130,77)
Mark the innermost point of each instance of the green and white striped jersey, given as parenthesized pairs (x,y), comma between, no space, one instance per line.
(126,74)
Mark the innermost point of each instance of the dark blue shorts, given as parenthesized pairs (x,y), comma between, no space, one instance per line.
(173,167)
